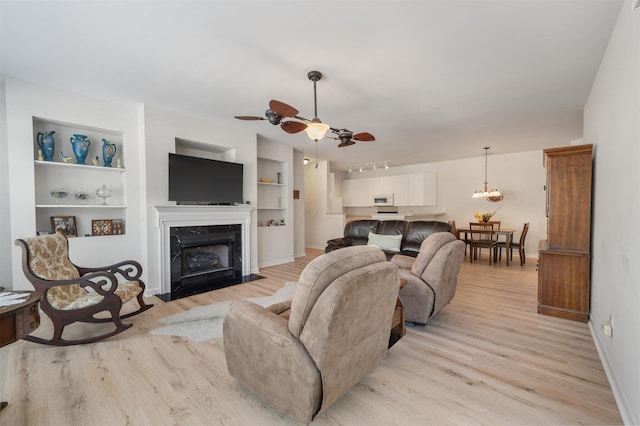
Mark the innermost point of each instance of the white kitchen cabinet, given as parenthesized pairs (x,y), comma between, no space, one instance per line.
(415,189)
(358,192)
(382,185)
(401,190)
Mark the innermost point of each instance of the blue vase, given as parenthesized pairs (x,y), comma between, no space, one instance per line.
(108,151)
(80,145)
(47,144)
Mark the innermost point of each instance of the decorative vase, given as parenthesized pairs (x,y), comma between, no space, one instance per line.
(104,192)
(108,151)
(80,145)
(47,144)
(59,194)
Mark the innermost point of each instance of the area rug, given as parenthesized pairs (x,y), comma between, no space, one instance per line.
(205,322)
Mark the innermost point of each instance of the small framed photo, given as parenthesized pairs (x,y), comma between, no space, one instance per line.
(65,225)
(101,227)
(118,226)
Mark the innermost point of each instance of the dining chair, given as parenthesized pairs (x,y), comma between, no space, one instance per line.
(483,239)
(454,231)
(513,245)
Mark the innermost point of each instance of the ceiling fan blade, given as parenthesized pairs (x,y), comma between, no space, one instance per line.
(364,137)
(343,144)
(293,126)
(282,109)
(248,117)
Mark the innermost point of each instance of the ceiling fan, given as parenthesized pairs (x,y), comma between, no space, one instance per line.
(281,114)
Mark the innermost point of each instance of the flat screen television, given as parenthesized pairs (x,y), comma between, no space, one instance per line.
(204,181)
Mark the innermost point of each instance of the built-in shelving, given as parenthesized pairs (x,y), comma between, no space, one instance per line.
(74,178)
(272,196)
(78,166)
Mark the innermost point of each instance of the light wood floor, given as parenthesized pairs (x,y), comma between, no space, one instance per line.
(487,358)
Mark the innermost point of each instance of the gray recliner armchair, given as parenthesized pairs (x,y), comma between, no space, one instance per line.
(302,356)
(431,277)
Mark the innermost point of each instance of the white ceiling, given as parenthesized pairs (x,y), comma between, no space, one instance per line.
(433,80)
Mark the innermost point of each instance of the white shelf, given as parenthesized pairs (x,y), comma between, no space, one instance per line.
(271,208)
(79,206)
(82,166)
(271,184)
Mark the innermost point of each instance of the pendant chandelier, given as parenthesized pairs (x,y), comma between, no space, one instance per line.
(492,195)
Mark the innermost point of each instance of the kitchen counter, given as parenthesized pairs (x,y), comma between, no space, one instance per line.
(407,217)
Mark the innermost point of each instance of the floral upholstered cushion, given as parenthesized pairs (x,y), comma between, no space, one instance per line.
(48,258)
(128,290)
(67,297)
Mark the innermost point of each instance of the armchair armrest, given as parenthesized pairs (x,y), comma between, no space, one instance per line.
(96,281)
(403,261)
(265,357)
(128,269)
(280,308)
(337,243)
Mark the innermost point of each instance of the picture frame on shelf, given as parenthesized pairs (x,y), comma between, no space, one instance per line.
(65,225)
(101,227)
(117,225)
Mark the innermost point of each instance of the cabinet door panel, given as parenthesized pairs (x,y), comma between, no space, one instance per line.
(401,190)
(416,189)
(564,284)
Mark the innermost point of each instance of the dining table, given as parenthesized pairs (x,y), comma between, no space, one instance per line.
(507,232)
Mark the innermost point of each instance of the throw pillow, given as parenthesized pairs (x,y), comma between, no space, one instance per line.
(385,242)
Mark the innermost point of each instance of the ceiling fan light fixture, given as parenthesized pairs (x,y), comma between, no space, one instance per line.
(316,129)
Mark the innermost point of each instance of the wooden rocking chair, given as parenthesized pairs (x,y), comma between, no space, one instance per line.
(75,294)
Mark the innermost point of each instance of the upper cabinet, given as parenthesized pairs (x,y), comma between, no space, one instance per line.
(415,189)
(569,197)
(357,192)
(83,179)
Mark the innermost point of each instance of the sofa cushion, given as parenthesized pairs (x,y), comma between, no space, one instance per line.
(430,246)
(415,233)
(391,227)
(385,242)
(357,231)
(321,272)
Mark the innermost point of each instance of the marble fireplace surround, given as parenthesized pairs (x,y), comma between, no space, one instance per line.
(178,216)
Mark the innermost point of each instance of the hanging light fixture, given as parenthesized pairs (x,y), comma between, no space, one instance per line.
(492,195)
(316,129)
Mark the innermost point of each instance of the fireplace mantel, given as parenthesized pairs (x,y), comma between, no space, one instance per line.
(168,216)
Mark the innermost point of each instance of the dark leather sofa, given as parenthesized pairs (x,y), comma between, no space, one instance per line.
(413,233)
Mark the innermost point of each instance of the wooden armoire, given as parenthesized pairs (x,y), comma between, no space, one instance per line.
(564,259)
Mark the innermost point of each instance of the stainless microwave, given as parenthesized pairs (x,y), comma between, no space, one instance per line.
(383,200)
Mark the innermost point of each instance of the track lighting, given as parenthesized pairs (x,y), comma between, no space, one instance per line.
(369,166)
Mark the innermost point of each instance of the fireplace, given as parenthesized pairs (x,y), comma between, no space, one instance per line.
(203,219)
(204,258)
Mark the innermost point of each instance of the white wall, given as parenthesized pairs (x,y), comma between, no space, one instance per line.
(161,128)
(298,205)
(520,177)
(23,102)
(612,124)
(5,224)
(319,226)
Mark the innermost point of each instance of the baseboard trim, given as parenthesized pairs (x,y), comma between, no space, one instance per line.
(276,262)
(621,401)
